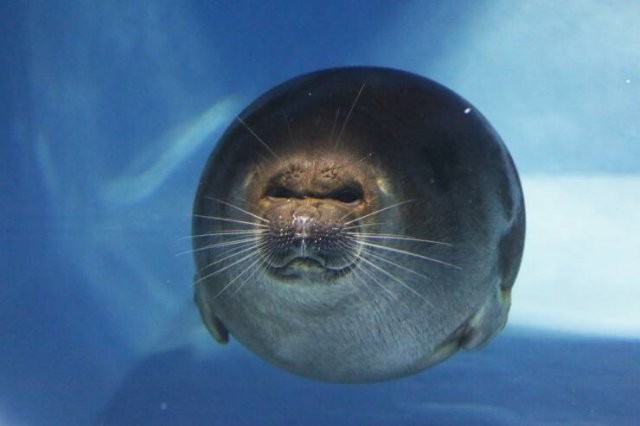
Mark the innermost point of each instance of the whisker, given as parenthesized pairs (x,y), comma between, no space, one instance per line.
(208,247)
(226,219)
(233,206)
(257,137)
(261,266)
(205,248)
(266,256)
(363,270)
(245,270)
(243,241)
(229,232)
(335,123)
(232,255)
(246,279)
(349,213)
(396,279)
(377,211)
(244,200)
(346,120)
(357,274)
(375,280)
(369,252)
(388,291)
(363,225)
(224,268)
(409,253)
(391,262)
(395,237)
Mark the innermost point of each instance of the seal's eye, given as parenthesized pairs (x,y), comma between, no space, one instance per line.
(280,192)
(347,195)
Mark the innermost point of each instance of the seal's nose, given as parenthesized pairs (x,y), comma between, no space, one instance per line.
(302,225)
(303,220)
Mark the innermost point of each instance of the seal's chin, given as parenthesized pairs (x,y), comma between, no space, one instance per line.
(308,269)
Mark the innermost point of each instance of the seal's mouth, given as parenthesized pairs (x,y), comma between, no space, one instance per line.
(308,268)
(308,250)
(305,263)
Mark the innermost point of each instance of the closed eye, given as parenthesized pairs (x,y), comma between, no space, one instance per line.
(281,192)
(343,195)
(346,195)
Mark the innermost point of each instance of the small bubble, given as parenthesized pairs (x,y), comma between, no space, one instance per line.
(467,111)
(628,81)
(163,406)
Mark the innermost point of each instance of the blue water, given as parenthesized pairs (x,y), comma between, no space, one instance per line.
(109,110)
(529,379)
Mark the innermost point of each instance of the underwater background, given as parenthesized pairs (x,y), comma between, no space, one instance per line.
(110,109)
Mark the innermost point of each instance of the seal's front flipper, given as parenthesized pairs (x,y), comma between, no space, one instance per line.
(478,329)
(211,321)
(488,320)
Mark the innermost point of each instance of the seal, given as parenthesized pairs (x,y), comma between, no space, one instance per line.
(357,224)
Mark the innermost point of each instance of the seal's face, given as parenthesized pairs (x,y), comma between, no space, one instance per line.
(311,207)
(357,224)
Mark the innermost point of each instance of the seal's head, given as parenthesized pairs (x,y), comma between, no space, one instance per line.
(357,224)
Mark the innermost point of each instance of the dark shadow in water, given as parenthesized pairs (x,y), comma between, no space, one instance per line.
(518,379)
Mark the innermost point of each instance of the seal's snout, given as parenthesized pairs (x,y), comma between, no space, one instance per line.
(305,239)
(302,225)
